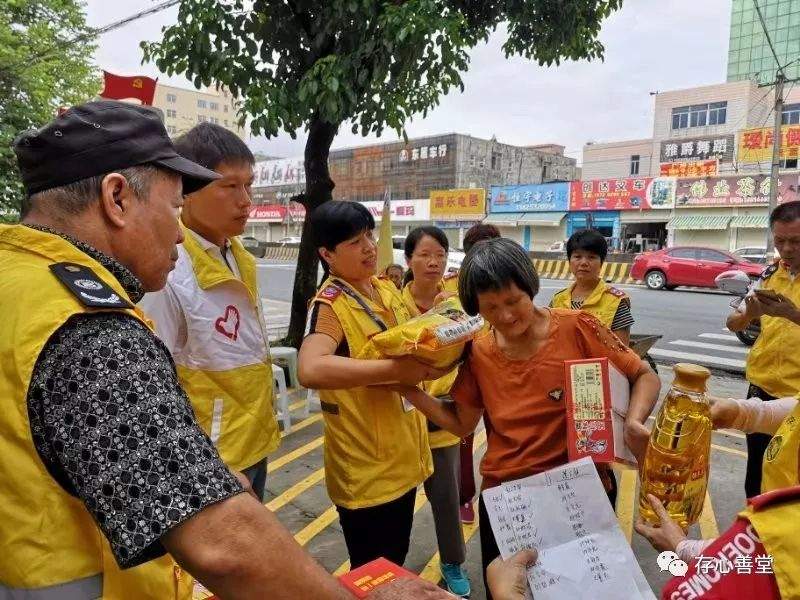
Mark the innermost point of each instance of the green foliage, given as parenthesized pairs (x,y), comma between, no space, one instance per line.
(375,63)
(40,71)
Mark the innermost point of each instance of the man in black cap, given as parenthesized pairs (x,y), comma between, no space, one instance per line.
(99,446)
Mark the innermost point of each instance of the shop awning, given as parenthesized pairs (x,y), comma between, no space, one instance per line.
(750,222)
(500,219)
(542,219)
(699,222)
(653,216)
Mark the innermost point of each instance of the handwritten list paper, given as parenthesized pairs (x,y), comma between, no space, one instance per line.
(565,515)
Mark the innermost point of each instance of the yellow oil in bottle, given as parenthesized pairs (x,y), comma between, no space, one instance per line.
(676,463)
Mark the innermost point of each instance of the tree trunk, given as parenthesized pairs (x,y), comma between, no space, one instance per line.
(318,190)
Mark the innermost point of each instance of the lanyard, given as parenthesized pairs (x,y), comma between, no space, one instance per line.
(371,313)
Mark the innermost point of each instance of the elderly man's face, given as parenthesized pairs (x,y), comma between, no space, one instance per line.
(155,232)
(787,242)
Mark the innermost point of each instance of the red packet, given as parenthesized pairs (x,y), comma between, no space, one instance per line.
(366,578)
(597,401)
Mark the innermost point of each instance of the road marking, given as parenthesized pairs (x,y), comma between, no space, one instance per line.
(720,336)
(302,424)
(708,520)
(303,536)
(297,489)
(703,358)
(706,346)
(477,444)
(281,461)
(729,450)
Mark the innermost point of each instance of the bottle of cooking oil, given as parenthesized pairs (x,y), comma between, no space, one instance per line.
(677,459)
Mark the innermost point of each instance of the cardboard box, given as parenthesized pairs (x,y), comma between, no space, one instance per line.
(598,395)
(366,578)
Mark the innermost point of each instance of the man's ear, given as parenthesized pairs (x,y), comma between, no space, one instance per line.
(116,198)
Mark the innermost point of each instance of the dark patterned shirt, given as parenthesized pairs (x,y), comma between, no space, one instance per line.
(113,426)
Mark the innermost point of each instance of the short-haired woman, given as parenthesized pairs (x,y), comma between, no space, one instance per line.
(376,446)
(514,374)
(587,250)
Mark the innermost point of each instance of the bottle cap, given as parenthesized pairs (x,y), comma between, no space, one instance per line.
(691,377)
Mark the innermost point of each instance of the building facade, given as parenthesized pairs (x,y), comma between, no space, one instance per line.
(183,109)
(749,54)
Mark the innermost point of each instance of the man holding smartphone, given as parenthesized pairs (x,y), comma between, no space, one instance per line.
(773,366)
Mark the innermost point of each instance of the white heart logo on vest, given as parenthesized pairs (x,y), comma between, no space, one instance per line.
(228,325)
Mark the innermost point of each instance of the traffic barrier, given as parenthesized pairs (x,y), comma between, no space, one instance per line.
(283,253)
(559,269)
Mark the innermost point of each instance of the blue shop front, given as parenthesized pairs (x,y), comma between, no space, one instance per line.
(534,215)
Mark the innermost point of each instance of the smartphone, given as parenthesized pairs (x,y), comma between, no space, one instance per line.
(768,295)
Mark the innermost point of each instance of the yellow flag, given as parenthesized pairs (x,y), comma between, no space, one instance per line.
(385,255)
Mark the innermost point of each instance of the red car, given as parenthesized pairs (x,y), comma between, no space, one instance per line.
(687,265)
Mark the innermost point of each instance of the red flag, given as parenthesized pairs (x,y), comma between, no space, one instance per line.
(118,87)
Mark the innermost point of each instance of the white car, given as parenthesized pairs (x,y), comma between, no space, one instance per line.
(289,241)
(454,257)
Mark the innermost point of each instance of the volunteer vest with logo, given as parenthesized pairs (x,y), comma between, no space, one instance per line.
(225,364)
(47,536)
(375,450)
(774,361)
(602,303)
(769,527)
(780,466)
(438,438)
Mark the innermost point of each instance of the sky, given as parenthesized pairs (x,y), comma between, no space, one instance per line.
(650,46)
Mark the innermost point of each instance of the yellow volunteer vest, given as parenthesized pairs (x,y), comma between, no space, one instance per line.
(780,466)
(47,536)
(778,527)
(375,450)
(440,387)
(774,361)
(602,303)
(225,366)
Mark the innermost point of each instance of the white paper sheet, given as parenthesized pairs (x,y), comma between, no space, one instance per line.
(565,515)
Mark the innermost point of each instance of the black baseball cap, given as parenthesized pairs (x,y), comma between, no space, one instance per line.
(97,138)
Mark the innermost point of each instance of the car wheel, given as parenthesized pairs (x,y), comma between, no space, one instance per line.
(655,280)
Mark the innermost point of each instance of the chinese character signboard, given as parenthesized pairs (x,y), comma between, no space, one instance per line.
(456,204)
(426,152)
(719,147)
(284,171)
(401,210)
(734,191)
(533,197)
(696,168)
(635,193)
(755,145)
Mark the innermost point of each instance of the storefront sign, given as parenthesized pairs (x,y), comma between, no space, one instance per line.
(423,152)
(719,147)
(454,224)
(284,171)
(734,191)
(458,204)
(401,210)
(755,145)
(622,194)
(532,197)
(276,213)
(696,168)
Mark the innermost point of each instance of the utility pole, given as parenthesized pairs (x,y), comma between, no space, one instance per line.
(780,78)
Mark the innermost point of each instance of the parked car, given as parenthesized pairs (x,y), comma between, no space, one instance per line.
(687,265)
(253,246)
(289,241)
(756,254)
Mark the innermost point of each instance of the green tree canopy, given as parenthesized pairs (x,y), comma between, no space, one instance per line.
(305,64)
(45,63)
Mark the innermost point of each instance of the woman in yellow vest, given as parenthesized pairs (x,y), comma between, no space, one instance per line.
(587,251)
(376,445)
(780,469)
(426,251)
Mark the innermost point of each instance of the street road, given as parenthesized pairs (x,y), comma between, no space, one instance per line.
(691,321)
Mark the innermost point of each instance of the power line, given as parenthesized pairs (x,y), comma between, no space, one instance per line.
(766,34)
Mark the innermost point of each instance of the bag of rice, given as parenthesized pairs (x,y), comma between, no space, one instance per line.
(437,337)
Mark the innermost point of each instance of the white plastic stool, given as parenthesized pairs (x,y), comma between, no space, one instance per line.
(288,354)
(283,397)
(309,395)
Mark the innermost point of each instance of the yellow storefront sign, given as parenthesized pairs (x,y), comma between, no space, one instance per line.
(755,145)
(458,204)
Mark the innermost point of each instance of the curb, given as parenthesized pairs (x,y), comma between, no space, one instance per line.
(559,269)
